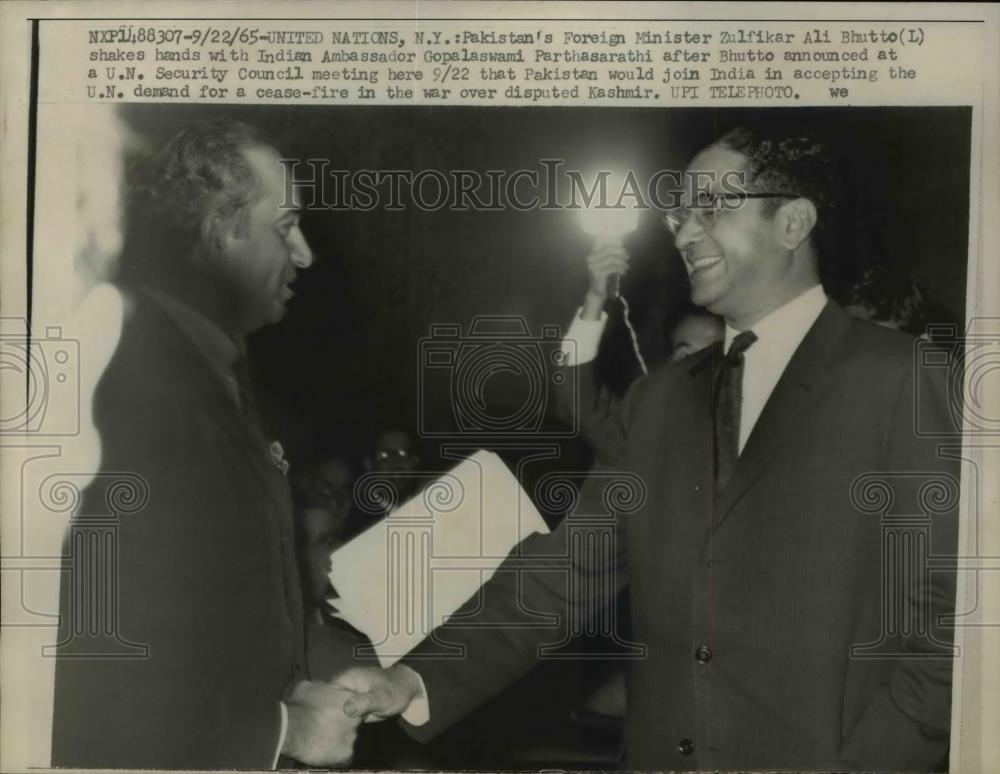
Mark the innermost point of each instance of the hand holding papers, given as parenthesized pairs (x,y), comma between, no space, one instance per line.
(406,575)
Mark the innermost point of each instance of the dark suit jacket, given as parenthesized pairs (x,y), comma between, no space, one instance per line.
(805,577)
(205,576)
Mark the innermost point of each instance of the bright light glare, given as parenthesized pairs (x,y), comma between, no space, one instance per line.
(613,212)
(609,224)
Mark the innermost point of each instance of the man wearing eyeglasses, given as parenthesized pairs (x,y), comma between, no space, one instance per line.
(393,452)
(780,562)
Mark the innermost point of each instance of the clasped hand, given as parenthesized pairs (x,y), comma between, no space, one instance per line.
(323,717)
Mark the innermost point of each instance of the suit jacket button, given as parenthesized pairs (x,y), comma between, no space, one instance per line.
(703,655)
(685,747)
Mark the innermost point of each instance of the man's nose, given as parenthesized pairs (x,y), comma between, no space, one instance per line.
(691,232)
(301,254)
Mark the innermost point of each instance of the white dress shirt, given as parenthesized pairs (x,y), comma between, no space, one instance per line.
(582,340)
(778,336)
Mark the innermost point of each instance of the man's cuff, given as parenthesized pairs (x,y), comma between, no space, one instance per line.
(284,730)
(418,713)
(583,339)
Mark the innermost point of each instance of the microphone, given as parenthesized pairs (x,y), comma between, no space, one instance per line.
(614,285)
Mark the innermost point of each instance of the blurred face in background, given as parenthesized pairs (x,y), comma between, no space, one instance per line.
(321,536)
(325,520)
(335,481)
(394,452)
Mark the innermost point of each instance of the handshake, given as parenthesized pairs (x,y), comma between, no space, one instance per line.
(323,717)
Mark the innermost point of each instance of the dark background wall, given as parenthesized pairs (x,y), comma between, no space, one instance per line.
(344,363)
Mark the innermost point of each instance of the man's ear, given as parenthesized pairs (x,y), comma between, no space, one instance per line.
(218,234)
(796,220)
(213,238)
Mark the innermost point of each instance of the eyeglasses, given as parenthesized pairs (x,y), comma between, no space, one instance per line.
(707,215)
(384,455)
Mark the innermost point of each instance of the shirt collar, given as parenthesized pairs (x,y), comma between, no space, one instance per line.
(789,322)
(218,347)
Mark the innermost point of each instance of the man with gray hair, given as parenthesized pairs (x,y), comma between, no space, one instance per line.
(207,668)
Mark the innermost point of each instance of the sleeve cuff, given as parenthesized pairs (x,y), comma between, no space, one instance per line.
(419,711)
(284,730)
(583,338)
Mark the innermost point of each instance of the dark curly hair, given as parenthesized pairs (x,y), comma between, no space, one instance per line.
(797,163)
(178,197)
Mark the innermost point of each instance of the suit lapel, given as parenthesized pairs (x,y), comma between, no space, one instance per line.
(224,414)
(691,428)
(806,379)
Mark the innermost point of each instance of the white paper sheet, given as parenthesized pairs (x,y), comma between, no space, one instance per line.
(407,574)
